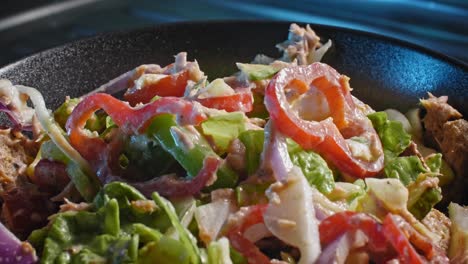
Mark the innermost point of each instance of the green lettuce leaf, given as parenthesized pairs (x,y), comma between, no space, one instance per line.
(421,197)
(434,162)
(406,169)
(392,134)
(97,234)
(313,166)
(252,193)
(438,165)
(142,153)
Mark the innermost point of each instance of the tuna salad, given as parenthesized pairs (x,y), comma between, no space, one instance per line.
(277,163)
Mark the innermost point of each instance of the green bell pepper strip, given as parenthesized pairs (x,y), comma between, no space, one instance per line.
(136,121)
(189,148)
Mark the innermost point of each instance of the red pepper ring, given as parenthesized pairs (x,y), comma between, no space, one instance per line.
(130,120)
(326,137)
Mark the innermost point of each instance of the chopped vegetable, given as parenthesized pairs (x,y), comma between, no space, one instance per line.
(327,137)
(257,72)
(290,215)
(222,129)
(458,250)
(314,168)
(12,250)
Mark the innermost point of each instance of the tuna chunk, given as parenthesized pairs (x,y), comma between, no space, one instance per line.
(16,152)
(439,223)
(444,124)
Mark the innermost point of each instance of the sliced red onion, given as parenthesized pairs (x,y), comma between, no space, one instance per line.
(51,175)
(275,157)
(122,82)
(116,85)
(12,250)
(14,118)
(172,187)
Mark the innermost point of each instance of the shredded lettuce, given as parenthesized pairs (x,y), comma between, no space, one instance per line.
(392,134)
(406,169)
(409,169)
(313,166)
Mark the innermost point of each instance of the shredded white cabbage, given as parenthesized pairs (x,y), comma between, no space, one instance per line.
(290,215)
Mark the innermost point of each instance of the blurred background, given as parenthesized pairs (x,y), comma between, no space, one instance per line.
(29,26)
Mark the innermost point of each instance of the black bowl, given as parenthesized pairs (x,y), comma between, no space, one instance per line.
(384,72)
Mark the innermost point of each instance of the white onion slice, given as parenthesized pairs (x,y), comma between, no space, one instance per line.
(211,218)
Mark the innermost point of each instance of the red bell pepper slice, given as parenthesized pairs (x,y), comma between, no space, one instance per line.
(130,120)
(326,137)
(393,238)
(403,236)
(407,254)
(171,85)
(336,225)
(240,101)
(236,235)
